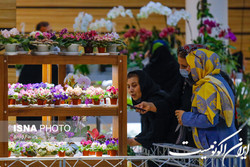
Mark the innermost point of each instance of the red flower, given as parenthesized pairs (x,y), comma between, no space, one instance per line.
(131,33)
(144,34)
(222,33)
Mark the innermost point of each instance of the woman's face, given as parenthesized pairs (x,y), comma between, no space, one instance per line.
(183,64)
(134,88)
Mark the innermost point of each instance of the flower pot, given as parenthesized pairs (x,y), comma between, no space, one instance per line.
(113,101)
(61,154)
(108,152)
(98,153)
(11,47)
(73,48)
(62,102)
(30,156)
(9,153)
(88,49)
(113,152)
(101,49)
(75,101)
(9,101)
(40,102)
(22,154)
(105,101)
(79,101)
(42,48)
(112,48)
(91,153)
(58,102)
(12,101)
(96,102)
(25,102)
(85,153)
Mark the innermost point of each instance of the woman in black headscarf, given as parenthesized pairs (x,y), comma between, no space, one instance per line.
(158,120)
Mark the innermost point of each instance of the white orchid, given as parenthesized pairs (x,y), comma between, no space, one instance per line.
(101,23)
(119,11)
(176,16)
(82,22)
(153,7)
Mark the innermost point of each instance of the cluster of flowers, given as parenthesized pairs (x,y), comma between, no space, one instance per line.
(216,29)
(142,34)
(42,93)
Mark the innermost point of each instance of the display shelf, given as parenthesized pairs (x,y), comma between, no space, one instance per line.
(51,111)
(119,77)
(58,59)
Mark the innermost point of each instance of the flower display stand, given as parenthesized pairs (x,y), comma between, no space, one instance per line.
(119,77)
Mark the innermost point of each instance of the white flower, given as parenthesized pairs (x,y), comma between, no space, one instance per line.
(33,33)
(82,22)
(119,11)
(104,147)
(14,31)
(176,16)
(153,7)
(101,23)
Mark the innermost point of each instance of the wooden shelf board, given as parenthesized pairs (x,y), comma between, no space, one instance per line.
(50,111)
(57,59)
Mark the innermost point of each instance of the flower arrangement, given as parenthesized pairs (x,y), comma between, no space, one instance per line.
(89,37)
(112,91)
(58,94)
(85,145)
(47,148)
(101,41)
(42,93)
(112,144)
(11,146)
(37,37)
(10,37)
(114,38)
(12,94)
(95,93)
(61,149)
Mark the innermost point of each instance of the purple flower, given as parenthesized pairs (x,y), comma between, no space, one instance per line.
(210,23)
(231,36)
(69,134)
(75,118)
(63,31)
(107,142)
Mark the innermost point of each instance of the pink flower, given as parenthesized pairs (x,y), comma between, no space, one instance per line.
(37,34)
(6,33)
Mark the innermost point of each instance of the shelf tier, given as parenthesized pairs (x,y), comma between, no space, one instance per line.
(57,59)
(50,111)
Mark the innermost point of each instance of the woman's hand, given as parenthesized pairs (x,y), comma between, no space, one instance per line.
(132,142)
(146,106)
(178,114)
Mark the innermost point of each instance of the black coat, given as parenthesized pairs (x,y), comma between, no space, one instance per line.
(157,127)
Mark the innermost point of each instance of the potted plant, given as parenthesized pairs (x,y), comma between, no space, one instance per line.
(10,39)
(41,95)
(23,48)
(24,96)
(89,37)
(95,94)
(58,94)
(30,149)
(40,42)
(12,96)
(69,42)
(61,150)
(11,148)
(98,148)
(113,94)
(112,147)
(243,106)
(75,94)
(101,42)
(85,147)
(114,41)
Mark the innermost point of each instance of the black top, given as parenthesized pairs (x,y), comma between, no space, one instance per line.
(157,127)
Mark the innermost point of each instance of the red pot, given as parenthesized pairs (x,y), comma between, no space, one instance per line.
(12,101)
(108,152)
(58,102)
(105,102)
(96,102)
(113,101)
(98,153)
(91,153)
(88,49)
(61,154)
(40,101)
(85,153)
(75,101)
(62,102)
(101,50)
(113,152)
(9,101)
(9,154)
(79,101)
(22,154)
(25,102)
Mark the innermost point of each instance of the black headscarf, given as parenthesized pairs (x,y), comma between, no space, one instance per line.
(163,68)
